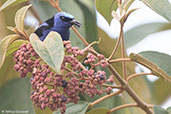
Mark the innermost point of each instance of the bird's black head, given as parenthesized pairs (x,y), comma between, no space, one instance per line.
(67,19)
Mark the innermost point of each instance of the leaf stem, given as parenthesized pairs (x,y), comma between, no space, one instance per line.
(104,98)
(136,75)
(23,35)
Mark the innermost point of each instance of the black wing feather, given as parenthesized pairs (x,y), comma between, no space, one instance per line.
(40,30)
(50,21)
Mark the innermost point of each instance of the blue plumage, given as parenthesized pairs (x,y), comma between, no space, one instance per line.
(60,22)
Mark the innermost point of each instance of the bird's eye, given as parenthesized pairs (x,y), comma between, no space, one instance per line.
(65,19)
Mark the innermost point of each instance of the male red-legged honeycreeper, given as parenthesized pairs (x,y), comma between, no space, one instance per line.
(60,22)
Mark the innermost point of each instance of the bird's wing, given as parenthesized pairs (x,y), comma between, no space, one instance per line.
(40,30)
(45,26)
(50,21)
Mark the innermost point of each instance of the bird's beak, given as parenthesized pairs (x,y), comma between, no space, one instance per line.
(76,23)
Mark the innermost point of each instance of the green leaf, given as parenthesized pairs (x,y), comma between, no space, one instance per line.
(158,63)
(159,110)
(87,7)
(138,33)
(162,7)
(10,3)
(126,4)
(98,111)
(20,16)
(14,46)
(43,9)
(7,71)
(15,95)
(164,93)
(169,110)
(51,50)
(105,8)
(160,59)
(4,43)
(79,108)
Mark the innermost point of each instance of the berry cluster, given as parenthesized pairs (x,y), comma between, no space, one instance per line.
(46,89)
(53,90)
(24,58)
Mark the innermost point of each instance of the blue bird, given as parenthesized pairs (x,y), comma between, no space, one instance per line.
(60,22)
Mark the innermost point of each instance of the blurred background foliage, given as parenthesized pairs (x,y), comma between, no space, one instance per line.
(15,92)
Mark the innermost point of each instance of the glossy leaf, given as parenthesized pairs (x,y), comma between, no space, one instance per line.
(15,95)
(10,3)
(51,50)
(162,7)
(138,33)
(154,61)
(105,8)
(79,108)
(4,43)
(20,16)
(98,111)
(159,110)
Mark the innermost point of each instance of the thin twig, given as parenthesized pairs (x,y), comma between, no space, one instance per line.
(123,106)
(136,75)
(104,98)
(82,66)
(116,87)
(120,60)
(80,36)
(116,46)
(69,70)
(129,90)
(123,53)
(128,105)
(55,4)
